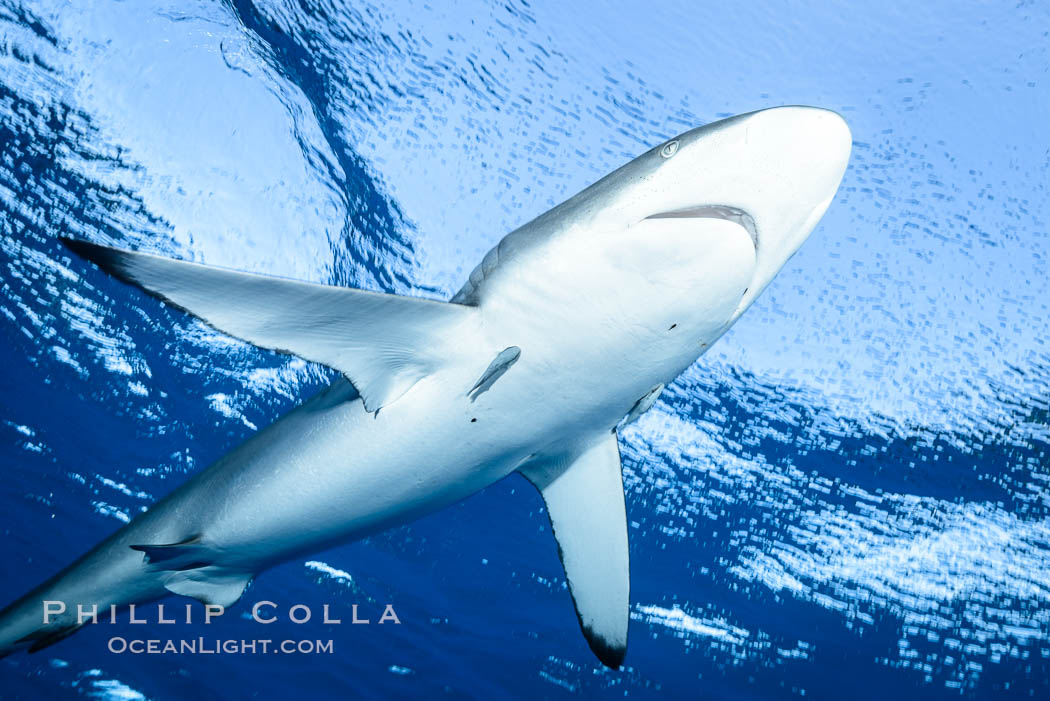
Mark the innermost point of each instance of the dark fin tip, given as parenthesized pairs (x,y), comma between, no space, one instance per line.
(99,255)
(608,654)
(44,638)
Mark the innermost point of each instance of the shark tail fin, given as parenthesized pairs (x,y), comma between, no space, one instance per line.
(46,637)
(383,343)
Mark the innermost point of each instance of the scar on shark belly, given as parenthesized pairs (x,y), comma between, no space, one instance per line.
(499,365)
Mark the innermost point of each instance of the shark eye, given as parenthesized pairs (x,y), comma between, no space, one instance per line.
(669,149)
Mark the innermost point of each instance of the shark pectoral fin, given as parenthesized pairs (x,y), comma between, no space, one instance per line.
(209,585)
(584,495)
(383,343)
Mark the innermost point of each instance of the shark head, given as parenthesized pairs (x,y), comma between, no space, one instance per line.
(773,172)
(768,176)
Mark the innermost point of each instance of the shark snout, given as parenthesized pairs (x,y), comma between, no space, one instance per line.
(823,135)
(823,142)
(795,159)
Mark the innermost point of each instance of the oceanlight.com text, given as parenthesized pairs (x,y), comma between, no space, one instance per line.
(212,646)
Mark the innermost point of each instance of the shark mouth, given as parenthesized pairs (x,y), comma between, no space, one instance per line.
(715,211)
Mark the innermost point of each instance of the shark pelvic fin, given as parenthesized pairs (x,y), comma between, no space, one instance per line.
(209,585)
(383,343)
(583,490)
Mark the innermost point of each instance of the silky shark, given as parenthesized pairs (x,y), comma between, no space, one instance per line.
(568,329)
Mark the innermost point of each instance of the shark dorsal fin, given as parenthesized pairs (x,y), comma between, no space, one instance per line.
(583,490)
(383,343)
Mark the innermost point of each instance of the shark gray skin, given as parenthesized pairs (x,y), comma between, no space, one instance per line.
(567,330)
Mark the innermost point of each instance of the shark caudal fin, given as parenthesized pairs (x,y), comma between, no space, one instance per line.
(115,574)
(383,343)
(583,491)
(22,627)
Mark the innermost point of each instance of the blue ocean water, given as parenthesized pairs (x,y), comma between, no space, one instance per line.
(847,497)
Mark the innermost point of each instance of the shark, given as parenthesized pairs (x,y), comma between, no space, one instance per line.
(567,331)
